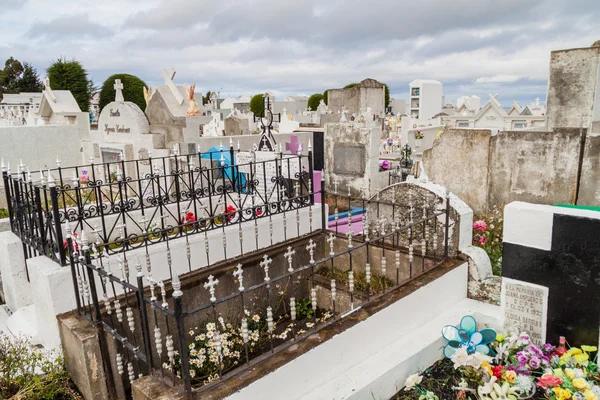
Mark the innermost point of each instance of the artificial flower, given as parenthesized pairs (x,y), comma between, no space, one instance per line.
(570,373)
(504,392)
(468,337)
(580,384)
(412,381)
(548,381)
(502,351)
(487,367)
(480,226)
(581,358)
(574,351)
(460,358)
(497,371)
(589,395)
(589,349)
(499,338)
(561,394)
(534,362)
(510,376)
(487,388)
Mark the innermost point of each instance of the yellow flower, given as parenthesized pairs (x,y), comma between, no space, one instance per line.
(580,384)
(561,394)
(499,338)
(589,395)
(570,373)
(558,372)
(487,367)
(589,349)
(573,351)
(510,376)
(564,358)
(581,358)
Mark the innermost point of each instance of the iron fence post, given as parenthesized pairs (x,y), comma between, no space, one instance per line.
(40,212)
(323,203)
(144,319)
(311,175)
(7,191)
(74,273)
(179,318)
(56,219)
(447,233)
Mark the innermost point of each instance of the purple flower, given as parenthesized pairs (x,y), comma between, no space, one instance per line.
(548,348)
(385,164)
(534,350)
(534,362)
(522,358)
(84,172)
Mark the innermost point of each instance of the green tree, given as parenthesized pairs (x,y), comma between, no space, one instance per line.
(387,96)
(29,80)
(206,97)
(132,90)
(314,100)
(257,105)
(70,75)
(350,85)
(9,76)
(325,97)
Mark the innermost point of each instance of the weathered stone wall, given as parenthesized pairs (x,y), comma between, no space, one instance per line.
(572,87)
(535,167)
(538,167)
(459,161)
(589,187)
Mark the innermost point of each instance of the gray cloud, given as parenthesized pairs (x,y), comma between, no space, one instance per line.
(73,26)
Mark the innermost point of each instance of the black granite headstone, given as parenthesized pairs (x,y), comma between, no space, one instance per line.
(571,271)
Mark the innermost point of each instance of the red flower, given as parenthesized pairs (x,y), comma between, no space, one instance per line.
(189,218)
(497,371)
(258,212)
(548,381)
(230,212)
(482,240)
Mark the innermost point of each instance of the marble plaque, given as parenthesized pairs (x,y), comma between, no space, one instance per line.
(349,159)
(525,308)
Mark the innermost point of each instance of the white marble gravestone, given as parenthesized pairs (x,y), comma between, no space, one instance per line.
(525,308)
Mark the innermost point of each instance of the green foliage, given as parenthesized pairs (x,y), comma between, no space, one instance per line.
(3,213)
(490,239)
(350,85)
(28,373)
(257,105)
(314,100)
(206,97)
(70,75)
(304,309)
(16,77)
(132,90)
(325,97)
(387,96)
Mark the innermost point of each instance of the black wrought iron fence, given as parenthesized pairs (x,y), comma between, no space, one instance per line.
(131,204)
(193,336)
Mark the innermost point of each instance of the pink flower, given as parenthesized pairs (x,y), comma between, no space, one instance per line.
(482,240)
(480,226)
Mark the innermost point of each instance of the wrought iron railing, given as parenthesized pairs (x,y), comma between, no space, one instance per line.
(194,336)
(133,204)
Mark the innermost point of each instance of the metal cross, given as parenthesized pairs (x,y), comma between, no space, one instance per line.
(382,223)
(289,255)
(282,192)
(210,285)
(331,240)
(297,189)
(335,185)
(265,264)
(239,274)
(311,249)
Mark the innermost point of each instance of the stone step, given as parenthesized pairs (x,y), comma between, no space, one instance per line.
(23,322)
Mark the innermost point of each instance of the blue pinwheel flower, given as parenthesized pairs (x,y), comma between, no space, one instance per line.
(467,337)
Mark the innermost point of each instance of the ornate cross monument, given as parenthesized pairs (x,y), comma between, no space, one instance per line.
(169,75)
(267,141)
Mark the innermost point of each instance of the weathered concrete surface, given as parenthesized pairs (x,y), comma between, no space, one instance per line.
(351,158)
(459,161)
(535,167)
(83,358)
(149,388)
(589,186)
(17,292)
(572,87)
(368,93)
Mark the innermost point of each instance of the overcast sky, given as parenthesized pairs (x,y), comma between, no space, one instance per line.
(306,46)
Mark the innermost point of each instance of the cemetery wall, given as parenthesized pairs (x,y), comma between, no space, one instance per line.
(459,161)
(589,189)
(536,167)
(39,146)
(572,88)
(487,170)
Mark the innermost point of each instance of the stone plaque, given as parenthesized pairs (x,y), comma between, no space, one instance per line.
(96,150)
(525,308)
(349,159)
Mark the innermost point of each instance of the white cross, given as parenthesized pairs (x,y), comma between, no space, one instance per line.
(265,264)
(239,274)
(210,285)
(281,192)
(382,223)
(311,249)
(289,255)
(335,185)
(118,90)
(169,75)
(297,189)
(349,234)
(331,240)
